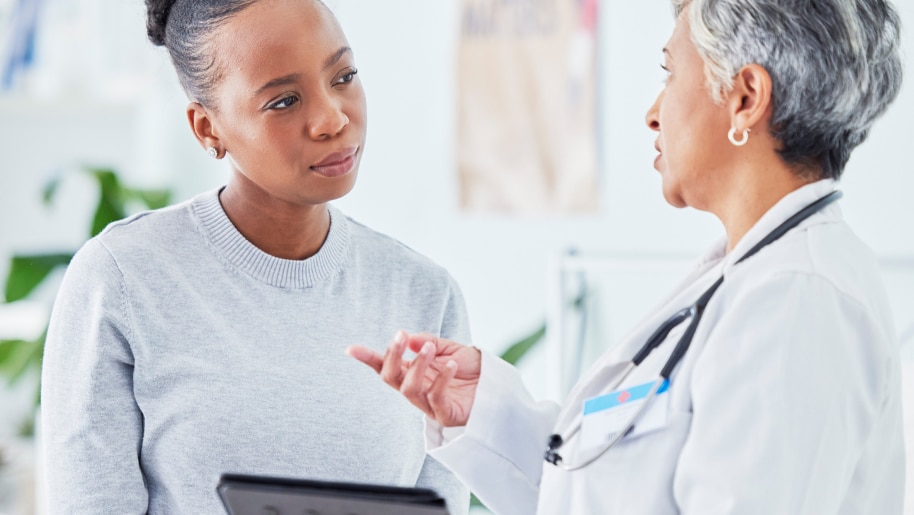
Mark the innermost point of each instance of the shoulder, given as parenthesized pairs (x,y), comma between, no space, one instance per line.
(385,254)
(826,251)
(146,224)
(820,283)
(149,232)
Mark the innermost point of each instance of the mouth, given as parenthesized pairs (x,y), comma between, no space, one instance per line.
(336,164)
(659,154)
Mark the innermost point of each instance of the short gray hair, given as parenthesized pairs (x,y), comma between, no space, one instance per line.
(834,65)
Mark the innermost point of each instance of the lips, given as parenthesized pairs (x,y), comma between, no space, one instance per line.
(336,164)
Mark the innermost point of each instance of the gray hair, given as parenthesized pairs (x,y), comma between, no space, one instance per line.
(834,66)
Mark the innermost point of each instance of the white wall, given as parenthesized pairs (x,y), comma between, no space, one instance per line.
(405,52)
(407,187)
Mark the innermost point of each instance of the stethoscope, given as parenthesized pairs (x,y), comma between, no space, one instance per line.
(695,312)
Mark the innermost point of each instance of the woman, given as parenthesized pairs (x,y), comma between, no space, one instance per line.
(788,398)
(207,337)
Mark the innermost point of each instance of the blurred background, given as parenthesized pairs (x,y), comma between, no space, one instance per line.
(90,91)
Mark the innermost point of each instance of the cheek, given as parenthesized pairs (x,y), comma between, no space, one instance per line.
(358,107)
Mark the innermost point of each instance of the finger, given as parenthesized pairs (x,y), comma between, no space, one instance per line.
(367,356)
(438,398)
(413,386)
(416,341)
(392,368)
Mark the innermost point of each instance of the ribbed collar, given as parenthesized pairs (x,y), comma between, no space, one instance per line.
(282,273)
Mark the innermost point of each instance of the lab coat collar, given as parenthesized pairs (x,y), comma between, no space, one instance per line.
(782,210)
(707,270)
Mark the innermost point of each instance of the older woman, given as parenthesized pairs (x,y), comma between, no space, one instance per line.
(768,381)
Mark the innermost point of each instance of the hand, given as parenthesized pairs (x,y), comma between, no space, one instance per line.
(441,380)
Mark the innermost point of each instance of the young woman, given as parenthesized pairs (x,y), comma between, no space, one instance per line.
(208,337)
(774,382)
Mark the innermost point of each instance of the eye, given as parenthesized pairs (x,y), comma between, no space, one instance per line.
(667,73)
(347,77)
(284,103)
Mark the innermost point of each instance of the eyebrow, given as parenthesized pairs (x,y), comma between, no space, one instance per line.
(336,56)
(293,78)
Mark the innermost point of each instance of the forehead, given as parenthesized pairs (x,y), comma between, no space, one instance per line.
(681,36)
(272,38)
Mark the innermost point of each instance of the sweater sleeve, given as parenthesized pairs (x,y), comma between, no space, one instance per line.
(91,424)
(455,325)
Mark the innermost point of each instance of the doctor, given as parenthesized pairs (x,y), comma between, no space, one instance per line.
(768,381)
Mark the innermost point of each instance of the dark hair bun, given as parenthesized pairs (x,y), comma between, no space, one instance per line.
(156,19)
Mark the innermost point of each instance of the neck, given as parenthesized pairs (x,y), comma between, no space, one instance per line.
(751,196)
(278,227)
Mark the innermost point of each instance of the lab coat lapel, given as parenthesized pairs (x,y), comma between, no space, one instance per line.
(607,369)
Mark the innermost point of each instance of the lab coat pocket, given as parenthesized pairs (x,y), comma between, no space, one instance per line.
(642,465)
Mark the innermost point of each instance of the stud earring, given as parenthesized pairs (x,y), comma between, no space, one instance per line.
(212,152)
(732,137)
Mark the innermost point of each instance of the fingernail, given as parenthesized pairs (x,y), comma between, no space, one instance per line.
(427,348)
(452,364)
(400,336)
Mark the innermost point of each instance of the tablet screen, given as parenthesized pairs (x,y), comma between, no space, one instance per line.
(260,495)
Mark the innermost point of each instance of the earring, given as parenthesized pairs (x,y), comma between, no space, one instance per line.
(212,152)
(731,136)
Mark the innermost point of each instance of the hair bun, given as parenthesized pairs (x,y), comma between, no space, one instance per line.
(157,12)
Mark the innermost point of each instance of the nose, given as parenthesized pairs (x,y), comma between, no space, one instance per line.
(653,114)
(326,119)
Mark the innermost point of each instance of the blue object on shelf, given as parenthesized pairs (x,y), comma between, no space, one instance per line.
(21,50)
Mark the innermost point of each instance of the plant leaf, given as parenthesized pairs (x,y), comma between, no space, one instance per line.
(516,351)
(6,348)
(27,272)
(110,200)
(23,356)
(105,213)
(50,189)
(153,199)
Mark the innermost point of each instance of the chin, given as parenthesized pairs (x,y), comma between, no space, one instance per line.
(673,197)
(341,187)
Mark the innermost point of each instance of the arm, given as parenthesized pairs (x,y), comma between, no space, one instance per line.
(91,425)
(499,452)
(782,411)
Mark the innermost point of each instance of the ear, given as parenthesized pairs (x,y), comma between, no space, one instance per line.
(201,123)
(750,99)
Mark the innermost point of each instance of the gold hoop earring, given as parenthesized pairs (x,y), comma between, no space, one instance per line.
(732,137)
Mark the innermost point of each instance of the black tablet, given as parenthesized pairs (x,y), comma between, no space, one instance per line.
(261,495)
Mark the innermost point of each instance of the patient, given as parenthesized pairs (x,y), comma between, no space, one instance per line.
(208,337)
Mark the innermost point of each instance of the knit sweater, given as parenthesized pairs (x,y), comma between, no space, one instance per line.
(178,351)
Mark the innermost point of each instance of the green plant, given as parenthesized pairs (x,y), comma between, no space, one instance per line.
(28,271)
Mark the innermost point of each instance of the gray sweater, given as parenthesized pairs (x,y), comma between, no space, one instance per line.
(178,351)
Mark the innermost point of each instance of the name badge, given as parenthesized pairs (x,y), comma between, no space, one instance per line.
(607,415)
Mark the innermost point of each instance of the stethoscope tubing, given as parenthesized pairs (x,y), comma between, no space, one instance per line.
(695,311)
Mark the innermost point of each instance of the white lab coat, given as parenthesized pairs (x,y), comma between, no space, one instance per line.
(788,401)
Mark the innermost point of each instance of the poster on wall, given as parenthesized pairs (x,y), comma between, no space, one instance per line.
(527,106)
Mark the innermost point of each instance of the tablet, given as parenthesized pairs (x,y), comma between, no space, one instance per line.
(261,495)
